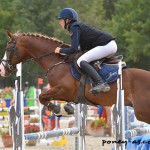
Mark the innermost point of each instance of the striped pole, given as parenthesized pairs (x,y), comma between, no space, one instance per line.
(25,108)
(3,117)
(4,109)
(4,126)
(137,124)
(27,124)
(52,133)
(137,132)
(31,116)
(25,116)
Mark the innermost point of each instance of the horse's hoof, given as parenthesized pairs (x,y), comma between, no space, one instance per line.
(69,109)
(58,115)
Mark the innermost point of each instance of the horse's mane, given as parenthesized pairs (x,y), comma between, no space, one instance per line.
(41,36)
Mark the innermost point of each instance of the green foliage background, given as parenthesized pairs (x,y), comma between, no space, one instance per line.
(127,20)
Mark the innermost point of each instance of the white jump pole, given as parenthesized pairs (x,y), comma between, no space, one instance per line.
(117,114)
(17,122)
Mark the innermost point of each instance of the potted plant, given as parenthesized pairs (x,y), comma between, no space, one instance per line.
(32,128)
(33,120)
(6,137)
(97,127)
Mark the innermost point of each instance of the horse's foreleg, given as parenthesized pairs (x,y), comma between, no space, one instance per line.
(45,100)
(49,95)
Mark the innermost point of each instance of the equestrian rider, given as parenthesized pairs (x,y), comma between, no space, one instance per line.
(97,44)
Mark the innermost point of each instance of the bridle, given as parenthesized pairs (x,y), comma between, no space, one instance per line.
(9,67)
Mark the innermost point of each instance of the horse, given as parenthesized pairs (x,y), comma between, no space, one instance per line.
(24,46)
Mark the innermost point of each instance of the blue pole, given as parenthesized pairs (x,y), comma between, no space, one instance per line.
(52,133)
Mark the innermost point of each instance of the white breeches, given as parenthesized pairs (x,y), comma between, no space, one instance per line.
(98,52)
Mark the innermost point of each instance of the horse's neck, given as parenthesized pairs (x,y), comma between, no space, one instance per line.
(43,47)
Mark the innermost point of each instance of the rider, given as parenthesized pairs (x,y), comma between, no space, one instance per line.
(97,44)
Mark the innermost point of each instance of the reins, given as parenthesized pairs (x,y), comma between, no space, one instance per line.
(51,67)
(39,57)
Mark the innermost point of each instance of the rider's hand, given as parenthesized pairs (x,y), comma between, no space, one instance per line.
(57,50)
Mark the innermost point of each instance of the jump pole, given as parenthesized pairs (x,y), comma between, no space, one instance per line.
(134,128)
(117,114)
(78,131)
(16,114)
(52,133)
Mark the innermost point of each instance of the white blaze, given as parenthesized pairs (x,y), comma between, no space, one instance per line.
(2,69)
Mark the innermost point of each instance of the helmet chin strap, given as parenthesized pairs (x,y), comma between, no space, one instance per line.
(67,23)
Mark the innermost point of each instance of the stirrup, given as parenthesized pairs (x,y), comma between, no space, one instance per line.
(104,87)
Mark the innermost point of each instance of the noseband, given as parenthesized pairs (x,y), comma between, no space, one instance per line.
(8,66)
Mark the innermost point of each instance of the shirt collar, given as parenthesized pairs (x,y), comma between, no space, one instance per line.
(73,24)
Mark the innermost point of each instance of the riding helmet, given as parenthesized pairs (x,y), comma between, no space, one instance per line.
(68,13)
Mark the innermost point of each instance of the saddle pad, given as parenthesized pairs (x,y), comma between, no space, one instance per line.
(109,73)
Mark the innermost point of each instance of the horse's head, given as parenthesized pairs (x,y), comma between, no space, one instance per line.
(9,61)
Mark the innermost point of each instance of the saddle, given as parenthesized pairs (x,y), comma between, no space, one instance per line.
(107,60)
(111,60)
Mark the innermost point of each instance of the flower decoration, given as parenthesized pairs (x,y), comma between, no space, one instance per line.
(4,132)
(33,120)
(99,122)
(32,128)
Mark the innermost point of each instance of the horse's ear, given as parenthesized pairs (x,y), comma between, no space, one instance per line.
(10,35)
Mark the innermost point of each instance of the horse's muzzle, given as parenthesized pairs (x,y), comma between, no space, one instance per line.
(4,72)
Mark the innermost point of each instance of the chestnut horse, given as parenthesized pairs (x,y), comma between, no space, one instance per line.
(21,47)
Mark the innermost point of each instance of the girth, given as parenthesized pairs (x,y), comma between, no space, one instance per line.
(81,92)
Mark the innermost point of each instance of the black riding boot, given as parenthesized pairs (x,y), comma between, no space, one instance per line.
(100,85)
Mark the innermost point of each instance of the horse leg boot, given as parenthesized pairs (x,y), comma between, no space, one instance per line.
(100,84)
(68,109)
(52,107)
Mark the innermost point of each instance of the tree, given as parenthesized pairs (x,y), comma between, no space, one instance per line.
(109,6)
(131,25)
